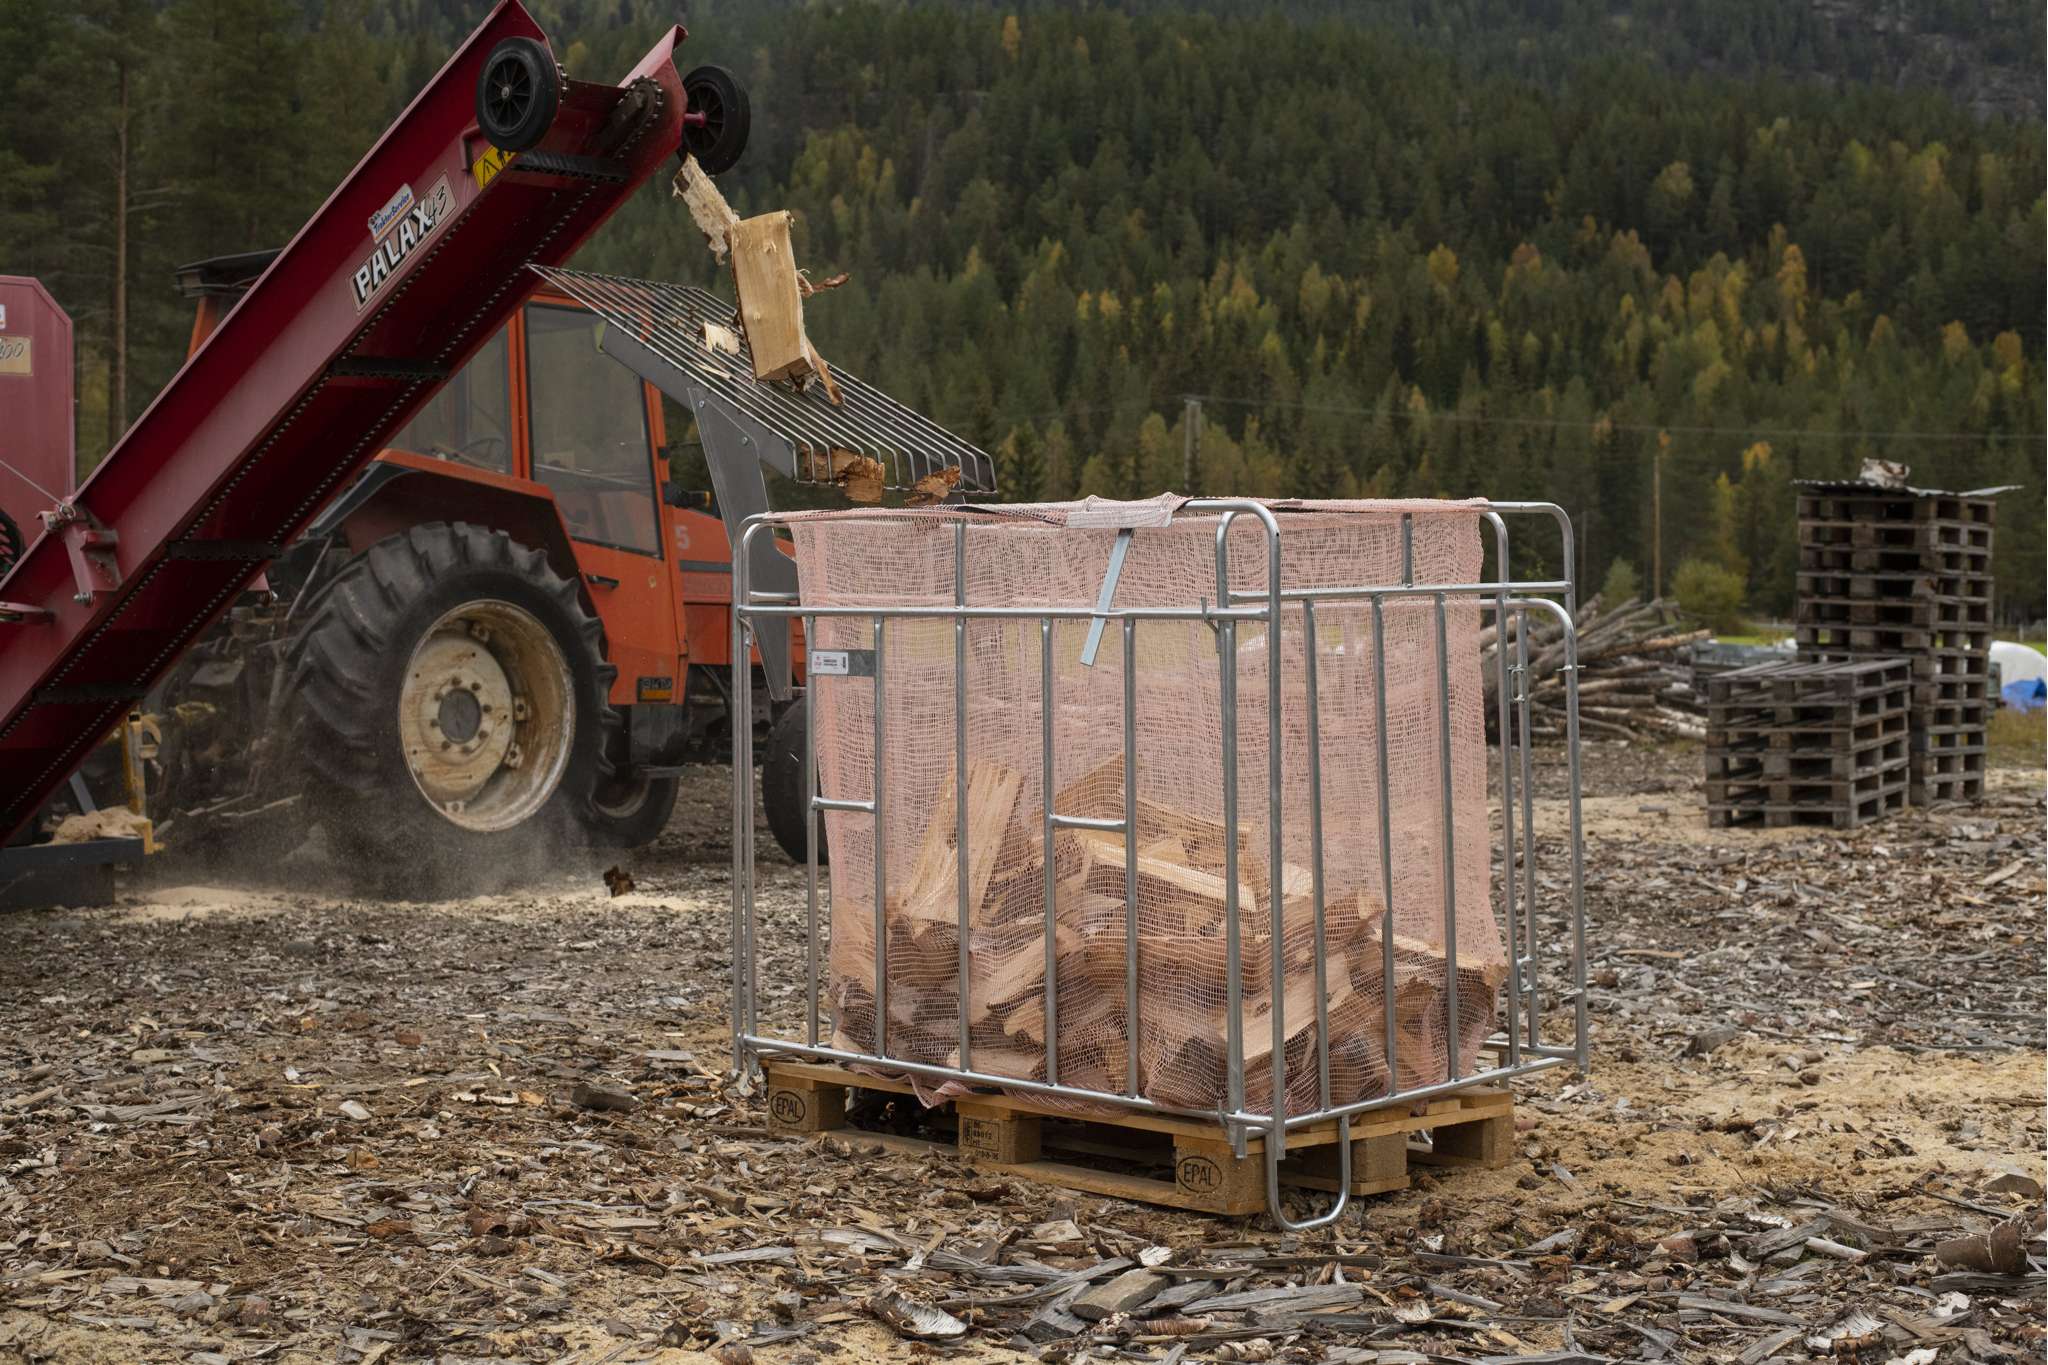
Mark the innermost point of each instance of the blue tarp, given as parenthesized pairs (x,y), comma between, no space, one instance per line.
(2028,694)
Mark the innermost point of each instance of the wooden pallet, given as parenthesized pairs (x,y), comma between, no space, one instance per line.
(1820,638)
(1895,505)
(1818,790)
(1973,561)
(1941,614)
(1912,581)
(1951,787)
(1807,681)
(1895,535)
(1847,814)
(1178,1162)
(1741,764)
(1854,722)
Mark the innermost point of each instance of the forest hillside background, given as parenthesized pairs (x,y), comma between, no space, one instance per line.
(1513,248)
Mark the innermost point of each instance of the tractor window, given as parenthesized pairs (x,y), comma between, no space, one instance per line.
(470,420)
(589,432)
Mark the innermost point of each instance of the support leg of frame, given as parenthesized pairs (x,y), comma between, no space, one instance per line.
(1209,1176)
(994,1134)
(1486,1143)
(800,1105)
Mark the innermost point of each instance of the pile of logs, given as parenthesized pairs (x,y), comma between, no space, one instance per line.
(1181,958)
(1635,674)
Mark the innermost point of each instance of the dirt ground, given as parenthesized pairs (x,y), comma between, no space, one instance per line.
(270,1118)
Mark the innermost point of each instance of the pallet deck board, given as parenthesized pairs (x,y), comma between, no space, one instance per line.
(1200,1171)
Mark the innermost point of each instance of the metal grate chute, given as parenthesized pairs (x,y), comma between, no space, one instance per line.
(663,328)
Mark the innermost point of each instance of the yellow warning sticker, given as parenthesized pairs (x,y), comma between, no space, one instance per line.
(485,168)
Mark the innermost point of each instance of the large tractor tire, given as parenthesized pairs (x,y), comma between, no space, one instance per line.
(450,701)
(783,798)
(629,811)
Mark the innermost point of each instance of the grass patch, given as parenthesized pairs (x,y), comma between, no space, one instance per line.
(2017,739)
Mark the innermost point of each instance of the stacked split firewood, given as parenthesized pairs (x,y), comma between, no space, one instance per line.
(1635,672)
(1181,871)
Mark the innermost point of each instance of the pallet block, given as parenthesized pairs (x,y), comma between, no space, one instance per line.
(1193,1166)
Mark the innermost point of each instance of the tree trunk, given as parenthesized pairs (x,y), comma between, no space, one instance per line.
(117,383)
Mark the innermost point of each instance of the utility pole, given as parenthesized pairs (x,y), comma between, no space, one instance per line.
(117,404)
(1657,515)
(1191,440)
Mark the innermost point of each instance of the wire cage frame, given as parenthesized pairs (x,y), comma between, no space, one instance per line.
(1523,1001)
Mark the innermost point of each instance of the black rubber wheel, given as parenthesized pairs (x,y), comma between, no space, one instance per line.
(783,798)
(719,140)
(517,94)
(630,812)
(11,544)
(449,701)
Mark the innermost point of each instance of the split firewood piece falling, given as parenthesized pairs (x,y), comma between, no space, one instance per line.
(808,287)
(708,209)
(861,477)
(717,338)
(934,487)
(771,289)
(771,302)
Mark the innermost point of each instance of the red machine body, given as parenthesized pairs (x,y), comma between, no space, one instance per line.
(411,265)
(38,438)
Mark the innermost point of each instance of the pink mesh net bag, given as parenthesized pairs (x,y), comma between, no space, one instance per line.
(1058,556)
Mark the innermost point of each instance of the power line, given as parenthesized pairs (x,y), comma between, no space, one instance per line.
(1478,420)
(1474,419)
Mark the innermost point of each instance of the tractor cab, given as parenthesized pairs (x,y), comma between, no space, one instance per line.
(543,435)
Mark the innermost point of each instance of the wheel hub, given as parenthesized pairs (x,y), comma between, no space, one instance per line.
(486,715)
(461,715)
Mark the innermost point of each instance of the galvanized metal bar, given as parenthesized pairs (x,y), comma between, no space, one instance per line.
(1130,823)
(1393,591)
(881,846)
(742,805)
(857,807)
(1379,707)
(1570,670)
(1450,823)
(1315,850)
(1276,868)
(1236,1121)
(1421,1092)
(811,819)
(1117,551)
(1233,945)
(960,851)
(1507,778)
(972,613)
(1045,708)
(1322,954)
(1099,824)
(1525,968)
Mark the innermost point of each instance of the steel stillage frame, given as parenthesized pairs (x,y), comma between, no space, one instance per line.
(1519,1049)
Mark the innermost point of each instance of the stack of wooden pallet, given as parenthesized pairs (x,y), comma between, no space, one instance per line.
(1905,573)
(1807,743)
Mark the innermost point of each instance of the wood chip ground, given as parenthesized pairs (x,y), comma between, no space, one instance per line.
(243,1119)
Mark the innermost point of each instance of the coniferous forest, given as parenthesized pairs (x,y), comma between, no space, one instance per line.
(1515,248)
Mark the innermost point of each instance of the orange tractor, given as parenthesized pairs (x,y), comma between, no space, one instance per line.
(396,552)
(514,621)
